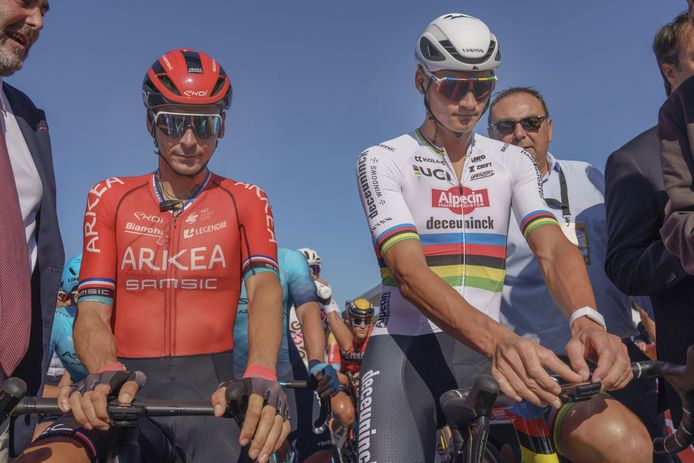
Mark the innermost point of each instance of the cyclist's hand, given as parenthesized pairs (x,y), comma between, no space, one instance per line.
(266,425)
(88,399)
(607,350)
(519,365)
(324,378)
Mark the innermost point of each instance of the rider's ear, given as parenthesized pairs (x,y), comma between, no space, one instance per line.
(419,80)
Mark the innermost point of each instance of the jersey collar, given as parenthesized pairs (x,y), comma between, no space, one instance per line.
(189,201)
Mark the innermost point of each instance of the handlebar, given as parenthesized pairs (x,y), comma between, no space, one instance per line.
(14,403)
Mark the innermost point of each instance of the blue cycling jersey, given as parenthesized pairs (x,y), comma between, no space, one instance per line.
(62,343)
(298,288)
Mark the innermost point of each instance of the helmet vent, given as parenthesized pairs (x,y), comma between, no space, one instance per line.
(168,83)
(218,86)
(454,53)
(429,51)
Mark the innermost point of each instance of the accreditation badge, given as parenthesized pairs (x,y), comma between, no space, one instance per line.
(582,237)
(569,229)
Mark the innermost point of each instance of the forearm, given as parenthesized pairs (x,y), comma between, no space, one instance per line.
(95,343)
(450,311)
(343,335)
(566,277)
(264,324)
(312,328)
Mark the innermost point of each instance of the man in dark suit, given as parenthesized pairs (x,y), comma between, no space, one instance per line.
(635,198)
(31,251)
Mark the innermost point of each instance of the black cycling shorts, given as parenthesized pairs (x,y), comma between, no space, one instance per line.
(184,438)
(402,378)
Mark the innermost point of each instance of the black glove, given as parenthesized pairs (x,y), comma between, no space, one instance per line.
(323,378)
(238,391)
(115,379)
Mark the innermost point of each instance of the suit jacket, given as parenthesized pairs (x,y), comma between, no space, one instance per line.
(49,265)
(676,130)
(637,261)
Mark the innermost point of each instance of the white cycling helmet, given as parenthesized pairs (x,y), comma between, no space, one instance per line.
(457,42)
(311,256)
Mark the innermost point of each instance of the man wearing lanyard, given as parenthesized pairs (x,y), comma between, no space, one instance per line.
(574,191)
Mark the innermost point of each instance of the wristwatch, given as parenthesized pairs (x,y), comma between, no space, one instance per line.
(589,312)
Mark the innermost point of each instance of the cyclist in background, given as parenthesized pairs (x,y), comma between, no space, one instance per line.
(299,292)
(438,203)
(323,288)
(163,260)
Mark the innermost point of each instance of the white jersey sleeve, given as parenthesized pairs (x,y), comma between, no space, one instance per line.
(379,181)
(528,203)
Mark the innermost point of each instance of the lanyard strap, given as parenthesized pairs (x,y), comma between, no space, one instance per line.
(564,191)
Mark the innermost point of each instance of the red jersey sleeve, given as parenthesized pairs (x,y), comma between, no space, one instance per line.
(258,243)
(98,269)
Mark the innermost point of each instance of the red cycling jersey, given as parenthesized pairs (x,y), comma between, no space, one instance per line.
(174,278)
(348,361)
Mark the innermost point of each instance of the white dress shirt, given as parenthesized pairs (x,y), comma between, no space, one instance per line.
(26,177)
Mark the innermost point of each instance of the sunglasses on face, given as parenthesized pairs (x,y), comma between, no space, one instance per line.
(315,269)
(455,88)
(174,125)
(364,322)
(529,124)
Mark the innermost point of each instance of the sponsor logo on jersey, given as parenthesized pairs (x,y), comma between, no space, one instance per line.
(139,215)
(469,223)
(136,229)
(171,283)
(460,203)
(426,159)
(440,174)
(483,174)
(91,235)
(200,258)
(191,232)
(192,218)
(479,158)
(365,185)
(384,146)
(384,312)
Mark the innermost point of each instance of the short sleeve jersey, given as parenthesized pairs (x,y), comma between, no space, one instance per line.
(174,278)
(297,289)
(62,343)
(409,190)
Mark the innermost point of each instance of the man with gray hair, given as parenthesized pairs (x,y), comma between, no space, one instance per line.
(31,252)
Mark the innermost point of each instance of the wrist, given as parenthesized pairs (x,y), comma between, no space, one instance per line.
(586,318)
(116,366)
(259,371)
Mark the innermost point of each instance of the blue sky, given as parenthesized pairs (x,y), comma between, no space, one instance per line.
(315,83)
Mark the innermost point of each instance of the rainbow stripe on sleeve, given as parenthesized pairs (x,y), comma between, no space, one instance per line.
(388,238)
(535,219)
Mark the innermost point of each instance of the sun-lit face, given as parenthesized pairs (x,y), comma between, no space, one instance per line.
(461,114)
(21,22)
(189,153)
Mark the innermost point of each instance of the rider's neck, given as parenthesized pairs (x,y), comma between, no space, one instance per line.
(181,187)
(456,147)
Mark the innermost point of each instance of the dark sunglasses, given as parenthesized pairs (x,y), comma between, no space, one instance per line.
(174,125)
(315,269)
(529,124)
(455,88)
(354,321)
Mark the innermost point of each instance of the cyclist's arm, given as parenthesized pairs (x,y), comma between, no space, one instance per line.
(95,343)
(342,333)
(312,328)
(264,319)
(562,265)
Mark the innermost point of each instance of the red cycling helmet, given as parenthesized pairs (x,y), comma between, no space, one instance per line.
(186,76)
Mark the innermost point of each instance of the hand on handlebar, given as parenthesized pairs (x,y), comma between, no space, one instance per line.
(266,423)
(607,350)
(324,377)
(520,366)
(88,399)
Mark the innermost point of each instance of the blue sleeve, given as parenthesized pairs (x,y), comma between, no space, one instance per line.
(302,289)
